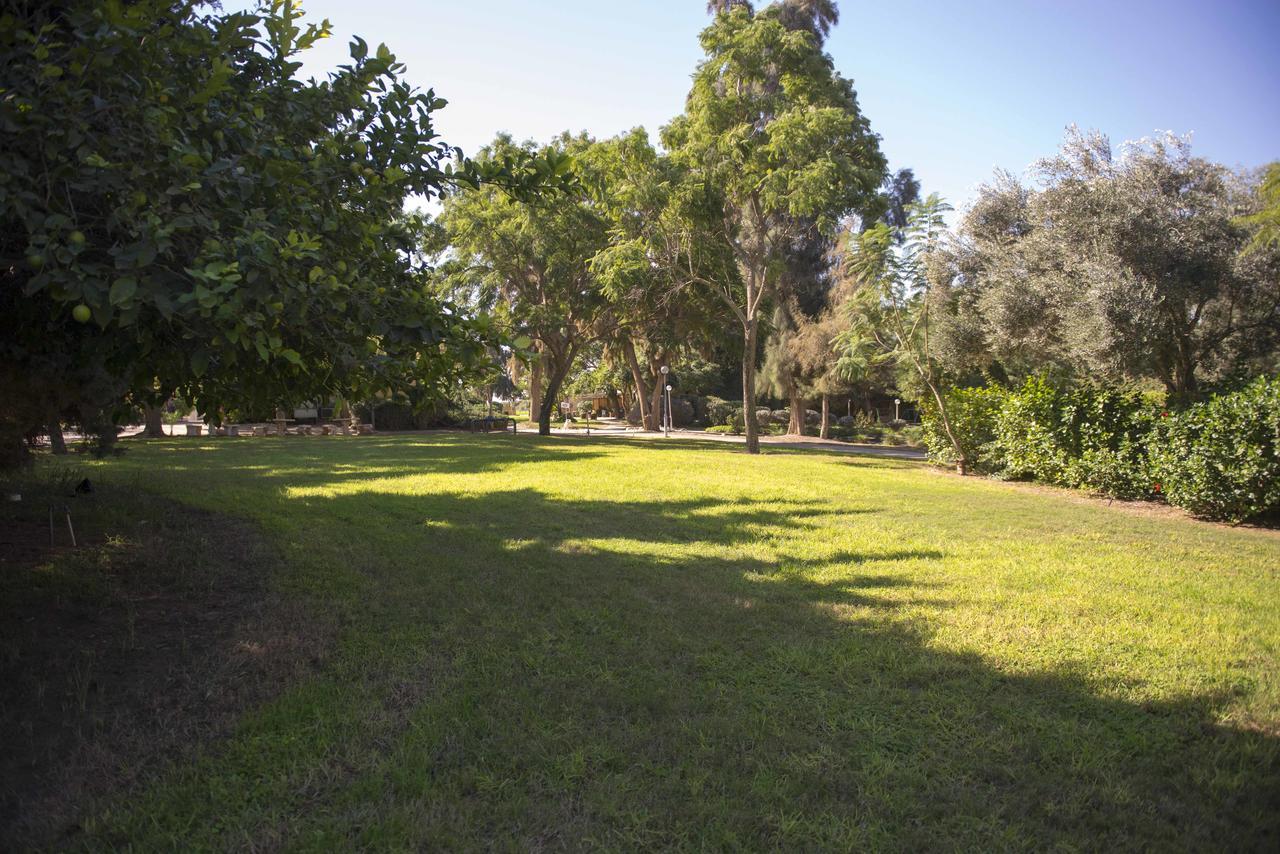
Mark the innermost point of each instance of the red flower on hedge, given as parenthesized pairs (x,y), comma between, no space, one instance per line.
(1157,487)
(1164,414)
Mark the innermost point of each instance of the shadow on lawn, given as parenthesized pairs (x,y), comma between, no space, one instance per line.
(313,458)
(311,461)
(670,673)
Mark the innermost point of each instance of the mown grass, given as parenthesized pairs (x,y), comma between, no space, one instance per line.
(575,642)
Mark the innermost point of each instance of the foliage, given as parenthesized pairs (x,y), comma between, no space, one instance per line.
(901,191)
(1088,436)
(973,414)
(181,212)
(721,411)
(1221,458)
(772,144)
(1265,222)
(657,247)
(893,307)
(1127,267)
(526,262)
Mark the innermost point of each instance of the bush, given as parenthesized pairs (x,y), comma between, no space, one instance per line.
(1221,459)
(972,413)
(872,435)
(1088,436)
(721,411)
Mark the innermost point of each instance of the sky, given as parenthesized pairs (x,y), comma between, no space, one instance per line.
(955,90)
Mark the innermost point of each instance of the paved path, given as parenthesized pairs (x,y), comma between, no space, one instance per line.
(808,443)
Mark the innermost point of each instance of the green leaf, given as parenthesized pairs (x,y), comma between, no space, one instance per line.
(122,290)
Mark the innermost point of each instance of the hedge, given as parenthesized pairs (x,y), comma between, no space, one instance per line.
(1221,458)
(1218,459)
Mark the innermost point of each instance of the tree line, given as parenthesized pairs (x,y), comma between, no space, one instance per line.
(184,216)
(766,208)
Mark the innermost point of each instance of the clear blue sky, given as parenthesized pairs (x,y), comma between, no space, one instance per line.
(954,89)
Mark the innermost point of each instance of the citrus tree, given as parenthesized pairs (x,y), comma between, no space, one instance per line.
(182,213)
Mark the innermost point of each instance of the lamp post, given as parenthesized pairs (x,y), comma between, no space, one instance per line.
(669,419)
(896,403)
(666,399)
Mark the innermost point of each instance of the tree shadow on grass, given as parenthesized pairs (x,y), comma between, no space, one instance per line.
(689,674)
(315,460)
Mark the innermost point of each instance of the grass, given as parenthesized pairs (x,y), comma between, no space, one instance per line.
(597,643)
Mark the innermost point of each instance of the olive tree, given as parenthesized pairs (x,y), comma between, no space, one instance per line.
(1127,264)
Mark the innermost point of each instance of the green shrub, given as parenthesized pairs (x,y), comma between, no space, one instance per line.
(721,411)
(1221,459)
(871,435)
(864,419)
(972,413)
(1089,436)
(723,428)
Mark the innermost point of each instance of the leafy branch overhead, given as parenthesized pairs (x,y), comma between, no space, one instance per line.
(219,226)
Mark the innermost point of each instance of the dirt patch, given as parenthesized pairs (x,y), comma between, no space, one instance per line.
(139,647)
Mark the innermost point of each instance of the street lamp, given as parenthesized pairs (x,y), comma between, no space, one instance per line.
(666,399)
(669,411)
(896,403)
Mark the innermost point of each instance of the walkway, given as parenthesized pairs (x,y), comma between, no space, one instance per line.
(807,443)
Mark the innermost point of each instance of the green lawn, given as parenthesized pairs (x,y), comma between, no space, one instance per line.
(602,643)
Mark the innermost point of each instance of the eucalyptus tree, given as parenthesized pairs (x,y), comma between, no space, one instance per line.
(179,212)
(901,190)
(772,144)
(527,262)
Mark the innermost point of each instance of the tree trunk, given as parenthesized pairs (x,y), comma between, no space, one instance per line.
(57,444)
(153,418)
(646,411)
(795,426)
(13,447)
(1188,386)
(535,388)
(962,462)
(656,409)
(825,432)
(558,374)
(749,386)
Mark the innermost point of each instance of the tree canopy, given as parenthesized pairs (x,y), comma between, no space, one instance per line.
(1128,266)
(181,212)
(774,137)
